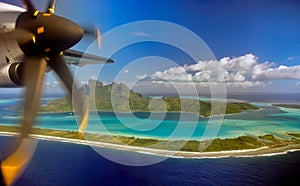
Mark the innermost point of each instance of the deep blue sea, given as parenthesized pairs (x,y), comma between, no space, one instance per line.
(57,163)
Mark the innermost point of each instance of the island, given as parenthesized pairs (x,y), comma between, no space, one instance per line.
(239,147)
(127,100)
(291,106)
(219,147)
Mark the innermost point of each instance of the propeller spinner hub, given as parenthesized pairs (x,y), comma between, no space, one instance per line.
(50,33)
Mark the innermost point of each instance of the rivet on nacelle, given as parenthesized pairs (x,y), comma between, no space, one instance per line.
(47,50)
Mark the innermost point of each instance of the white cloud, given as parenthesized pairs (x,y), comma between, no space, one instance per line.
(93,78)
(53,84)
(126,71)
(245,84)
(141,76)
(83,83)
(290,58)
(281,72)
(244,71)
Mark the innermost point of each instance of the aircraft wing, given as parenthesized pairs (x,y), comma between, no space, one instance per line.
(73,57)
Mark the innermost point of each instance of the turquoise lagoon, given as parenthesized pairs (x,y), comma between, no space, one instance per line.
(267,120)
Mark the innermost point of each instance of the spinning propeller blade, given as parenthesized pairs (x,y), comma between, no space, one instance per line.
(51,7)
(29,5)
(35,68)
(23,36)
(58,64)
(99,38)
(42,43)
(16,163)
(94,33)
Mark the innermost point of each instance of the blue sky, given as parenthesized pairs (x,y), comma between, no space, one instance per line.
(266,33)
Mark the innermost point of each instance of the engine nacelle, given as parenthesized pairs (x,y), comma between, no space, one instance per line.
(11,75)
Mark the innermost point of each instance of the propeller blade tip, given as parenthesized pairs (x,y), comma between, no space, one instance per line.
(99,39)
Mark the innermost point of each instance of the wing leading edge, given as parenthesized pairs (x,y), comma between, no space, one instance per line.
(78,58)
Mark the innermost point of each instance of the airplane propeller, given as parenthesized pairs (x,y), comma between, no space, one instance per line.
(51,7)
(43,37)
(29,5)
(94,33)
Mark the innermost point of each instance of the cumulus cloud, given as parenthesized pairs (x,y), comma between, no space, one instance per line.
(141,76)
(243,71)
(126,71)
(54,84)
(83,83)
(245,84)
(282,72)
(93,77)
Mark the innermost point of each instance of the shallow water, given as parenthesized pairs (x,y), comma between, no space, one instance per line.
(56,163)
(268,119)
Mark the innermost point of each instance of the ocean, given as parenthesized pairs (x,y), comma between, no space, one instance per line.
(60,163)
(56,163)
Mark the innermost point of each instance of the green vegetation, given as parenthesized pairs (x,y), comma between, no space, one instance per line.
(232,108)
(45,132)
(287,106)
(119,98)
(297,135)
(59,105)
(239,143)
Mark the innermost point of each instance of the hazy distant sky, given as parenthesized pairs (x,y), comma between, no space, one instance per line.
(260,36)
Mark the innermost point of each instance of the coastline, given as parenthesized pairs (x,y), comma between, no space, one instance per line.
(256,152)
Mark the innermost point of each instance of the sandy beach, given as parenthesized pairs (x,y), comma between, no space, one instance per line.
(263,151)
